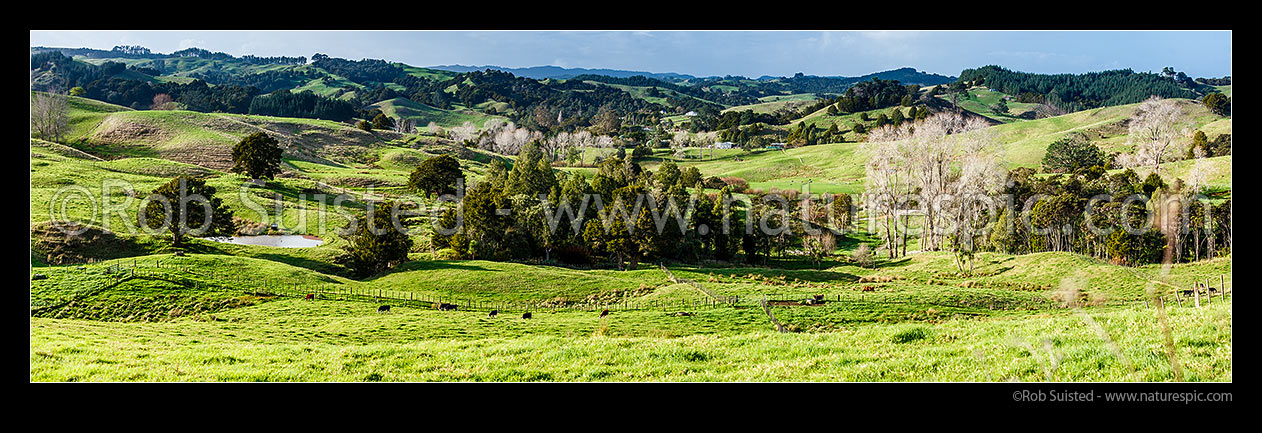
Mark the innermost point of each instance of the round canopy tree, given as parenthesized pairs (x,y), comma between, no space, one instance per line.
(436,176)
(375,243)
(186,206)
(258,156)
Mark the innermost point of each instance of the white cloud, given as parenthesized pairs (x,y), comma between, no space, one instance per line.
(191,43)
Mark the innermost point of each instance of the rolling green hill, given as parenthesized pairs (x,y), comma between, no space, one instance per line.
(839,167)
(118,305)
(981,100)
(424,114)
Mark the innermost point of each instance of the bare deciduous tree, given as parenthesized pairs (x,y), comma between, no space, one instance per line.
(162,101)
(405,126)
(463,133)
(944,159)
(1155,129)
(49,115)
(435,130)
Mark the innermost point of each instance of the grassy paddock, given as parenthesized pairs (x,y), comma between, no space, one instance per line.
(1059,347)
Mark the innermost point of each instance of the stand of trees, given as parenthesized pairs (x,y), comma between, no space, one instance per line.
(635,220)
(1076,92)
(1112,217)
(876,94)
(102,84)
(283,103)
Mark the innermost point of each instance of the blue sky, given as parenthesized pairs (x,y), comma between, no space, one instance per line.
(704,53)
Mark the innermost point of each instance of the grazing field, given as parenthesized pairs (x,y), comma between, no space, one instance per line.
(122,306)
(423,114)
(982,101)
(293,341)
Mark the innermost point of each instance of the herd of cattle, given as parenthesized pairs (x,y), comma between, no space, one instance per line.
(494,313)
(452,307)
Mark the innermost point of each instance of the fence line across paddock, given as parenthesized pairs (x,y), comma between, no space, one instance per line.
(122,269)
(119,270)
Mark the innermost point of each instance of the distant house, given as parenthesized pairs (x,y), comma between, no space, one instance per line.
(775,146)
(691,114)
(724,145)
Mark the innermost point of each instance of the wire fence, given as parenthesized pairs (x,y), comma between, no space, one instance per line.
(171,270)
(191,278)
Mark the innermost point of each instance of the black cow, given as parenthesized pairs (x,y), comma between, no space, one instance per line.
(604,313)
(383,309)
(525,316)
(447,307)
(493,313)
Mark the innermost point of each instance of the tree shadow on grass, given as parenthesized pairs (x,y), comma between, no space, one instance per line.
(895,263)
(800,270)
(208,247)
(433,265)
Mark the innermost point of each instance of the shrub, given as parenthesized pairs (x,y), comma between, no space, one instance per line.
(910,335)
(737,184)
(713,182)
(863,256)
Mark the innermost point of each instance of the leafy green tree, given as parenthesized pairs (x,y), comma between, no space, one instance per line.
(436,176)
(258,156)
(373,242)
(531,173)
(1220,146)
(667,174)
(1071,153)
(1217,102)
(1000,107)
(688,177)
(382,121)
(1198,140)
(186,206)
(1152,183)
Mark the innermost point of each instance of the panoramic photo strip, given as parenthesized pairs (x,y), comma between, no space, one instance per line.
(1037,207)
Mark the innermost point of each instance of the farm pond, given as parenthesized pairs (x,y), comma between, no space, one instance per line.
(282,241)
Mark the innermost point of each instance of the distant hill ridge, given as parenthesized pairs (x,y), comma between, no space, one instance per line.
(906,74)
(560,73)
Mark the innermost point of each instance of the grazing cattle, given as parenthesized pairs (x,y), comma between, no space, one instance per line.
(1186,293)
(311,296)
(604,313)
(683,314)
(447,307)
(819,297)
(493,313)
(525,316)
(383,309)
